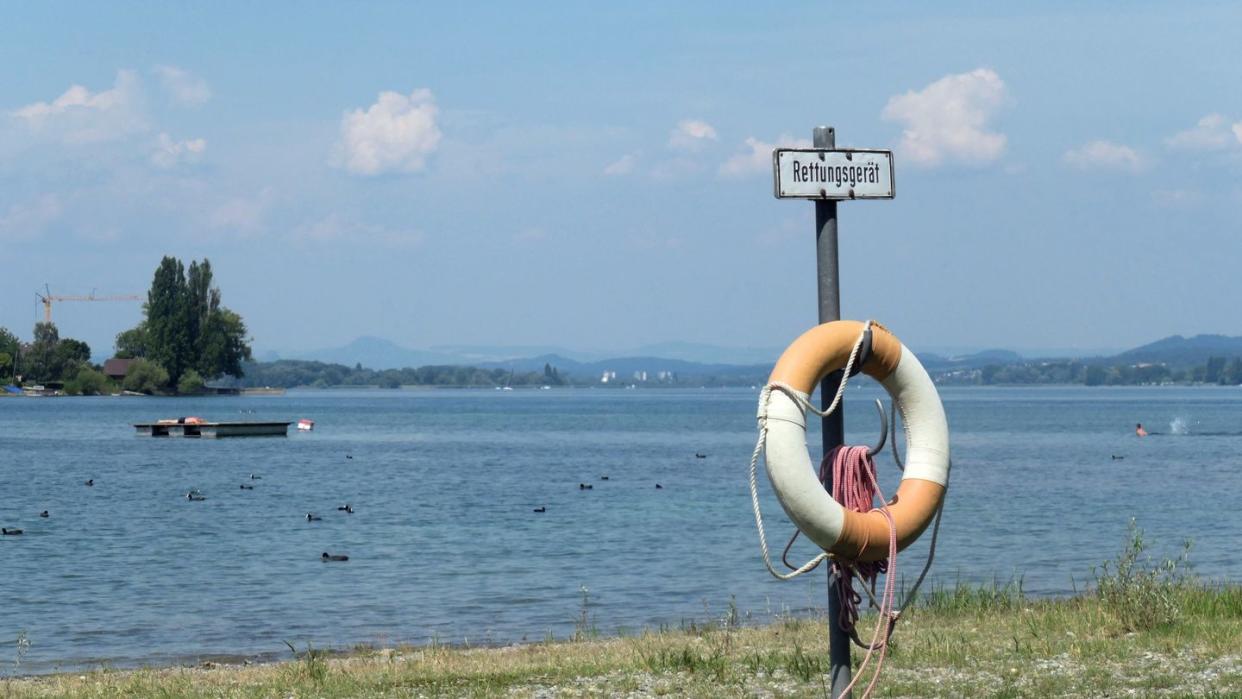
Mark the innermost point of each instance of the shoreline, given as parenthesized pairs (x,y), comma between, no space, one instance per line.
(427,388)
(959,642)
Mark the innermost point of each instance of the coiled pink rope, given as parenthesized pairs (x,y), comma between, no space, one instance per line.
(854,486)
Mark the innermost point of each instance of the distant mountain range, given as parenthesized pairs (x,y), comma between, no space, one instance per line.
(378,353)
(693,359)
(1178,350)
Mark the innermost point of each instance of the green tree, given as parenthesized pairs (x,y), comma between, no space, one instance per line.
(186,328)
(132,343)
(202,301)
(168,315)
(87,382)
(41,361)
(190,382)
(145,377)
(69,356)
(10,346)
(1233,373)
(1212,371)
(223,344)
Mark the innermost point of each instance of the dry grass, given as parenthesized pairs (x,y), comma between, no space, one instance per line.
(976,642)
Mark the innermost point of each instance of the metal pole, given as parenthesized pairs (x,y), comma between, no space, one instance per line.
(833,426)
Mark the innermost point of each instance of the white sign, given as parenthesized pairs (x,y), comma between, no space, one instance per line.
(809,173)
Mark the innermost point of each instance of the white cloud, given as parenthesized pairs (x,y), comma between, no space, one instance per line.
(691,134)
(185,88)
(168,153)
(758,157)
(334,227)
(948,119)
(25,221)
(396,134)
(624,166)
(532,235)
(1212,132)
(1105,155)
(243,214)
(1176,198)
(81,116)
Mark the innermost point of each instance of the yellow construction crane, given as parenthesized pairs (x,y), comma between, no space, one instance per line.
(48,298)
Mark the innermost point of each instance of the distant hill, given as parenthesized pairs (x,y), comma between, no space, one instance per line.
(499,353)
(709,354)
(377,353)
(1180,351)
(693,360)
(976,359)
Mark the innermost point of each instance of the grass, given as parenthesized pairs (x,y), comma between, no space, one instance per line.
(981,641)
(1147,628)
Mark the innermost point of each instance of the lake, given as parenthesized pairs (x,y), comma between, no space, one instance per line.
(444,543)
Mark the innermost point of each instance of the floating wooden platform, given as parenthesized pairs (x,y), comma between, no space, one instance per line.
(211,430)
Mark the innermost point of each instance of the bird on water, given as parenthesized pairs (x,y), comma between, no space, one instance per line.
(347,508)
(44,514)
(311,517)
(90,482)
(333,557)
(247,487)
(10,532)
(194,496)
(541,508)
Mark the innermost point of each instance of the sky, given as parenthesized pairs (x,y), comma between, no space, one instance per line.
(599,176)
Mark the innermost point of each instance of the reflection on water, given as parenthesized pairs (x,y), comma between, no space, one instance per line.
(444,541)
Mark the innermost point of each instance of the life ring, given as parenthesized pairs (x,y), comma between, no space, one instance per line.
(855,535)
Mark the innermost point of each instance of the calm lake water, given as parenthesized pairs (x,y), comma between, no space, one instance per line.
(444,543)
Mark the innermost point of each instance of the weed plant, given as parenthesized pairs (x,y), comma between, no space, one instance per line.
(1141,593)
(23,647)
(311,666)
(584,628)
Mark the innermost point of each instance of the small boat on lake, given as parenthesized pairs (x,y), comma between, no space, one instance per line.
(198,427)
(306,425)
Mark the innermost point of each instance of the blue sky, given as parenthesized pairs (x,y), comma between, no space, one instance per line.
(599,177)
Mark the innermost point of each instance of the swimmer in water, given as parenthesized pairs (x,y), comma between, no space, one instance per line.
(1138,430)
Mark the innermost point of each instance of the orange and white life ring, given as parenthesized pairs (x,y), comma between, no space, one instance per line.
(855,535)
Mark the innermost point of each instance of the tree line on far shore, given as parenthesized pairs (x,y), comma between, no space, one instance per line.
(294,373)
(185,339)
(47,357)
(1221,371)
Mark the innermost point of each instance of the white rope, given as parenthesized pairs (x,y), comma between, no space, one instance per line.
(806,405)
